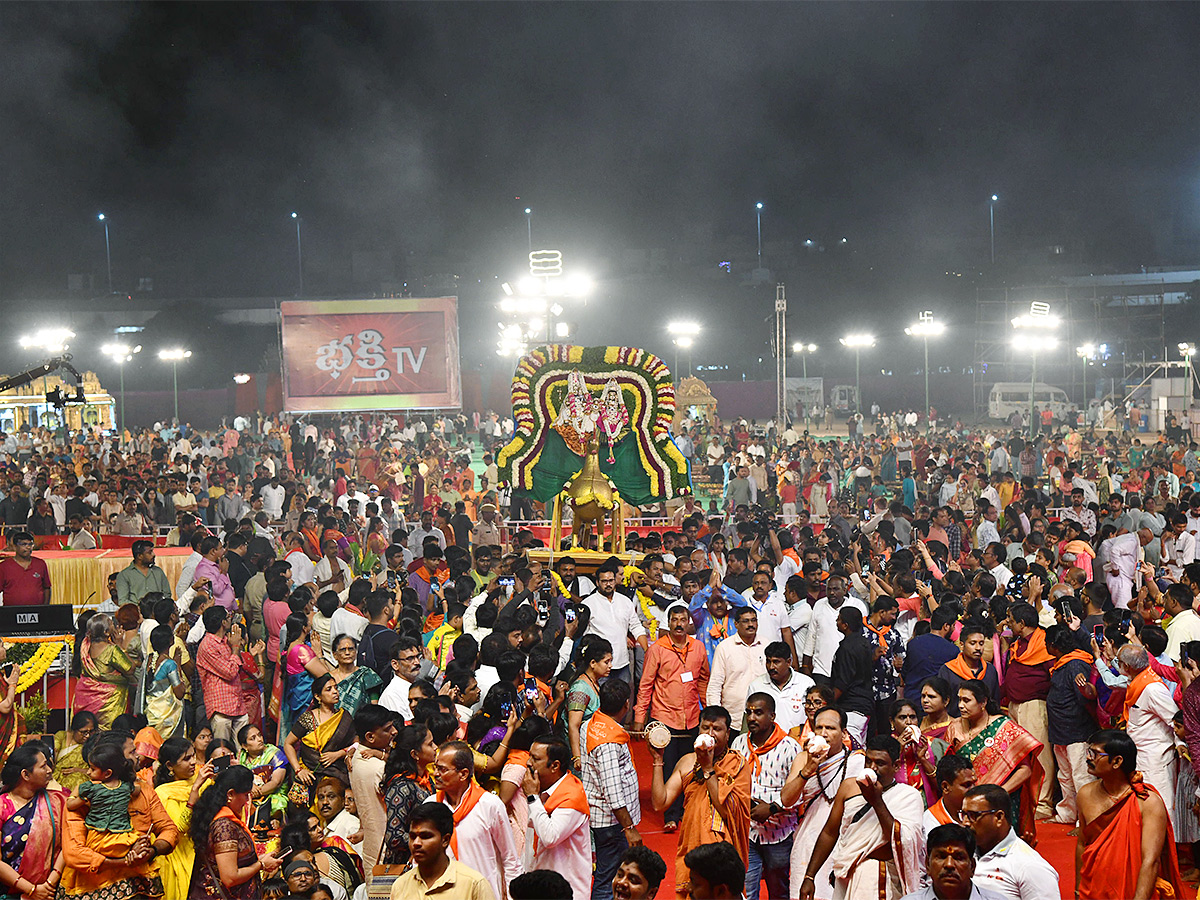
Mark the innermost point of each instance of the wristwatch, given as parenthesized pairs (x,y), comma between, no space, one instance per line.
(530,798)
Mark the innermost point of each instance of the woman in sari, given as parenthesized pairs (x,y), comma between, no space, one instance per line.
(321,737)
(70,770)
(918,754)
(583,699)
(165,686)
(377,539)
(357,685)
(311,532)
(228,865)
(109,659)
(178,784)
(31,824)
(12,723)
(935,699)
(406,784)
(1000,751)
(298,666)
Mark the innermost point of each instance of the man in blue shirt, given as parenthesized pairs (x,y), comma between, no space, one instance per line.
(927,653)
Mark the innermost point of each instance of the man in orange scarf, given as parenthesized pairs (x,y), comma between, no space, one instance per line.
(715,781)
(771,753)
(1126,843)
(1027,684)
(1149,713)
(558,815)
(611,784)
(969,665)
(1070,715)
(483,839)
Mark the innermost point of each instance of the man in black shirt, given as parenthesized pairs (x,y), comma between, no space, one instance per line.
(737,572)
(850,673)
(375,648)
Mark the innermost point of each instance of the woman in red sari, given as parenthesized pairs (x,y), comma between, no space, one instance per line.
(31,823)
(1000,751)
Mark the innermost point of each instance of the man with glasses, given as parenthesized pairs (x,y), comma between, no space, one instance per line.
(24,579)
(1006,865)
(406,662)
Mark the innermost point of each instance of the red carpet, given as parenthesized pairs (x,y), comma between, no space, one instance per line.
(1053,841)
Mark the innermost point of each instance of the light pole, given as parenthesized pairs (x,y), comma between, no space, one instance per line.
(299,255)
(173,357)
(925,328)
(121,354)
(804,350)
(992,222)
(758,209)
(107,250)
(529,224)
(684,336)
(1087,353)
(856,342)
(1035,333)
(1187,351)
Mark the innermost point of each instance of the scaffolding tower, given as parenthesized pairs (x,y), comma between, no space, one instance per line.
(1134,316)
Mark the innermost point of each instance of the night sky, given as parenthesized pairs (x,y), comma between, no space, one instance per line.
(410,130)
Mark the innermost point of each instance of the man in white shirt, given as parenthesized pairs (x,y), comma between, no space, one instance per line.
(785,685)
(1185,624)
(352,493)
(823,634)
(987,532)
(302,567)
(737,661)
(1006,865)
(272,495)
(1178,546)
(558,816)
(416,538)
(331,572)
(1151,724)
(1124,556)
(994,555)
(483,838)
(773,622)
(79,538)
(613,617)
(406,663)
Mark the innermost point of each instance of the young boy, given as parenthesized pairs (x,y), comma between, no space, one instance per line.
(445,635)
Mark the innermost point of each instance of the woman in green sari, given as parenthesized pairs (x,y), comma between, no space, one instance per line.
(109,658)
(71,771)
(357,685)
(583,699)
(1000,751)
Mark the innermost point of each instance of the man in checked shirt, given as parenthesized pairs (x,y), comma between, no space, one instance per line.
(611,784)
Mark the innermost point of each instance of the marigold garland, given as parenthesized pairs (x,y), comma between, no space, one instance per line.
(38,664)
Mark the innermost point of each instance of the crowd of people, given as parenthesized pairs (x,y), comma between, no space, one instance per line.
(869,667)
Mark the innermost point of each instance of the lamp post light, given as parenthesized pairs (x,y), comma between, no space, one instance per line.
(684,336)
(804,349)
(925,328)
(1187,351)
(299,255)
(173,357)
(529,224)
(758,211)
(1087,353)
(1035,333)
(992,223)
(856,342)
(121,354)
(103,219)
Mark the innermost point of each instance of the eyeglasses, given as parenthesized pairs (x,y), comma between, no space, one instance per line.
(1095,754)
(968,815)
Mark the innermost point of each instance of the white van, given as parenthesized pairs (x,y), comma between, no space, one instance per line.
(1007,397)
